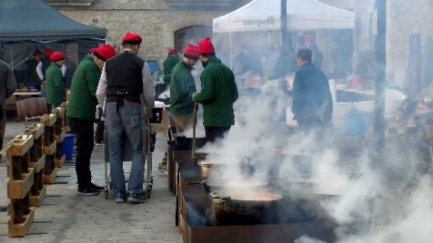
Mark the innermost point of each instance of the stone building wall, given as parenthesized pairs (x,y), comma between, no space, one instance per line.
(404,18)
(152,19)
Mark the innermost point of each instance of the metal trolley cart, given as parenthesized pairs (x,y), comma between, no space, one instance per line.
(148,148)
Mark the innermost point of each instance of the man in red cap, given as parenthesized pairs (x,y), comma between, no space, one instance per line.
(169,63)
(218,92)
(125,84)
(42,67)
(54,80)
(81,113)
(182,87)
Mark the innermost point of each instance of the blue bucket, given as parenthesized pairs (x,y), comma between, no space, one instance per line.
(357,123)
(68,146)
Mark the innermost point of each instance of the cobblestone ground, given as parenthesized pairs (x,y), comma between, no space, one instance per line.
(66,217)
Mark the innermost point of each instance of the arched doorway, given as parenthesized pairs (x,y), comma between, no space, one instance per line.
(190,34)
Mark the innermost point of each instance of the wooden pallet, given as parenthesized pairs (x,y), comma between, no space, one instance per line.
(20,145)
(18,189)
(61,137)
(39,165)
(37,130)
(66,129)
(21,182)
(37,199)
(49,120)
(20,229)
(50,178)
(58,163)
(51,149)
(59,112)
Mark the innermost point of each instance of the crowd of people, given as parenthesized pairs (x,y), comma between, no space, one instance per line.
(120,87)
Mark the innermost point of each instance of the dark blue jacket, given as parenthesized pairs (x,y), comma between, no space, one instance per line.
(311,91)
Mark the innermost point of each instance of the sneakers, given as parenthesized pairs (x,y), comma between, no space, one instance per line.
(99,143)
(99,188)
(135,198)
(88,191)
(120,198)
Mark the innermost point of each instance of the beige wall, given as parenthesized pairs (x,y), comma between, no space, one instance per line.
(152,19)
(407,18)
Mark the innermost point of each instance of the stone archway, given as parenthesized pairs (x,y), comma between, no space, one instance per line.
(170,28)
(190,34)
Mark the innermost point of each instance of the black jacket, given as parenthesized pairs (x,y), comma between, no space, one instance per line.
(311,92)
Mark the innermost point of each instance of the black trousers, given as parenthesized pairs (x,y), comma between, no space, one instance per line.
(99,135)
(83,130)
(100,127)
(214,133)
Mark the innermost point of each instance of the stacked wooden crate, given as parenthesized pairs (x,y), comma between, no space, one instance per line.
(37,163)
(21,180)
(50,145)
(59,158)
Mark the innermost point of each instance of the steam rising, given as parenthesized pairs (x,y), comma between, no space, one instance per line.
(369,203)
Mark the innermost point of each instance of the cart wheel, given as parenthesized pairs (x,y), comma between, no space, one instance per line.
(106,193)
(148,191)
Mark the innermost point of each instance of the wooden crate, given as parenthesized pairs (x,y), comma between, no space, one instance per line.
(50,149)
(37,163)
(21,182)
(49,120)
(50,178)
(20,145)
(36,199)
(21,216)
(58,163)
(18,189)
(59,138)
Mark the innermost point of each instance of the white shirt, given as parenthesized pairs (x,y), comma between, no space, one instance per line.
(41,74)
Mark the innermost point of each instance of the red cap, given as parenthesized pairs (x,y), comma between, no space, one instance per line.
(36,52)
(309,38)
(48,52)
(205,46)
(191,52)
(57,56)
(171,51)
(131,38)
(92,50)
(105,52)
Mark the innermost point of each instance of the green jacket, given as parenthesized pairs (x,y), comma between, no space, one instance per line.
(217,95)
(82,100)
(182,86)
(54,85)
(169,64)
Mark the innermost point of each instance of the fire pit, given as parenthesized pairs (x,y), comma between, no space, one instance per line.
(241,208)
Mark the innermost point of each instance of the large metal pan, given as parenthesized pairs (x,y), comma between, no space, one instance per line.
(240,208)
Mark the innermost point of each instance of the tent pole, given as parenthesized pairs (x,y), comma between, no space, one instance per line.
(230,43)
(379,84)
(12,57)
(284,32)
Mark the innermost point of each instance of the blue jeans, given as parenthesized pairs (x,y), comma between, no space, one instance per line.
(127,120)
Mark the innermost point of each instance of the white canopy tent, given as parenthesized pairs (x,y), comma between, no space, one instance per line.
(264,15)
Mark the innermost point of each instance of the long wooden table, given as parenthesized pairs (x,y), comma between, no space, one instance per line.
(27,93)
